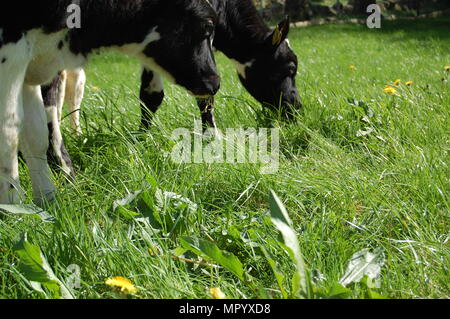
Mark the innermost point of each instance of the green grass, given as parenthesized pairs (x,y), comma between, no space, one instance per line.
(344,192)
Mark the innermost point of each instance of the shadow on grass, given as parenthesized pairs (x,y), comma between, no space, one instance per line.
(404,29)
(420,29)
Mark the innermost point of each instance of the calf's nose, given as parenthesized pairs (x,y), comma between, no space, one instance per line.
(212,84)
(292,100)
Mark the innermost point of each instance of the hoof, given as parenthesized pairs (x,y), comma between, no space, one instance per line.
(212,134)
(45,199)
(11,195)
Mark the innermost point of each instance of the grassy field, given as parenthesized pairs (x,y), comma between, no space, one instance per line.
(360,169)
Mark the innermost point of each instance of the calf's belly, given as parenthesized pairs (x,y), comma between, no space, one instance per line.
(50,55)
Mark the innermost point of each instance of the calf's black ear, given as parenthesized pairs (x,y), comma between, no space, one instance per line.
(280,33)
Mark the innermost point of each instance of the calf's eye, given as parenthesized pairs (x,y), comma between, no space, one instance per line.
(292,69)
(208,28)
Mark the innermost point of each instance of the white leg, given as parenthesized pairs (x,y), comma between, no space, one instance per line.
(76,80)
(14,59)
(61,94)
(34,144)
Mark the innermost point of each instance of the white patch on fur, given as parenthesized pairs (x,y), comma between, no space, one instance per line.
(136,50)
(156,85)
(151,64)
(48,60)
(241,68)
(288,43)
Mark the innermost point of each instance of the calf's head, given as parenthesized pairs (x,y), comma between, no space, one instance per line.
(183,51)
(270,76)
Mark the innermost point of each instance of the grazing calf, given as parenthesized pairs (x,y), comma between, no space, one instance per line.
(171,37)
(264,61)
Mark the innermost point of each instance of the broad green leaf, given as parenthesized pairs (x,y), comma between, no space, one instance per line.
(152,181)
(367,131)
(280,218)
(374,295)
(172,210)
(147,206)
(279,276)
(125,212)
(369,282)
(31,210)
(297,285)
(138,206)
(127,200)
(209,249)
(34,266)
(180,251)
(364,263)
(164,198)
(37,287)
(337,291)
(156,210)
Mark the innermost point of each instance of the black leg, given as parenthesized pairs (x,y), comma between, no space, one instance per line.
(152,96)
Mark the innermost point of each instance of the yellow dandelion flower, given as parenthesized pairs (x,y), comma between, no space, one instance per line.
(125,285)
(447,68)
(409,83)
(95,88)
(352,67)
(216,293)
(397,82)
(390,90)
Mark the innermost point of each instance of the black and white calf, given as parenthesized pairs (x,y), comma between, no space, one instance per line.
(264,61)
(171,37)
